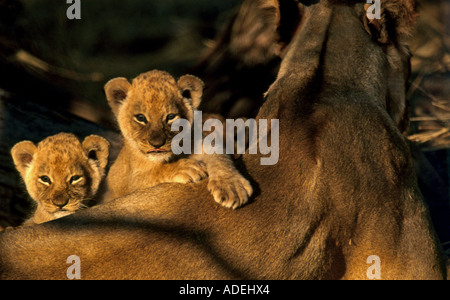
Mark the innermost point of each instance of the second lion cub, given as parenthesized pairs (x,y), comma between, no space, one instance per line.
(145,110)
(61,173)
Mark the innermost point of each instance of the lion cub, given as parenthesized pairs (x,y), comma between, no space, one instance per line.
(61,172)
(145,110)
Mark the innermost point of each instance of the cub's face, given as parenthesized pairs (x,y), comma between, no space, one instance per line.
(146,109)
(61,172)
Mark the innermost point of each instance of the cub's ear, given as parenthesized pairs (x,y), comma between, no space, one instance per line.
(390,21)
(97,149)
(116,91)
(191,88)
(23,154)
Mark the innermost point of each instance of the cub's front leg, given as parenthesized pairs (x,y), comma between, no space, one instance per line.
(228,187)
(184,170)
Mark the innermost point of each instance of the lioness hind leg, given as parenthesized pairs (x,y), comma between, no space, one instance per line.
(374,267)
(396,261)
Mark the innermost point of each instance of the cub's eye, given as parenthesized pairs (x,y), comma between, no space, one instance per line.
(45,180)
(170,117)
(75,179)
(140,119)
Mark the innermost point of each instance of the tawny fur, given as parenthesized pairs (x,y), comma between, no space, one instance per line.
(344,188)
(61,173)
(146,159)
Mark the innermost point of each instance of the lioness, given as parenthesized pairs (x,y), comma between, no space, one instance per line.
(145,111)
(343,192)
(61,173)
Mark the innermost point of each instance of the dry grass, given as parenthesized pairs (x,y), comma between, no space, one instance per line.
(430,86)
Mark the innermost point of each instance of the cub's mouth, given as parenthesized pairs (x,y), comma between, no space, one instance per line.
(157,150)
(61,210)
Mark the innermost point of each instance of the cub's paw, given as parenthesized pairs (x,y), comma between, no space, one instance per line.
(189,170)
(230,192)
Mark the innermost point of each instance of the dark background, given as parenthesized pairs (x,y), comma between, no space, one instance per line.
(113,38)
(52,72)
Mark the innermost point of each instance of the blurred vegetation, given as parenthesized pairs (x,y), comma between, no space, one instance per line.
(113,38)
(430,81)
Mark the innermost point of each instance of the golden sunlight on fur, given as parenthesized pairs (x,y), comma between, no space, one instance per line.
(61,173)
(145,110)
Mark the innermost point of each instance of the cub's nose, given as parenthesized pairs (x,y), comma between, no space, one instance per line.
(60,201)
(157,141)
